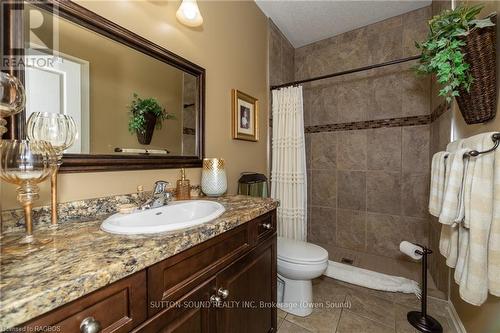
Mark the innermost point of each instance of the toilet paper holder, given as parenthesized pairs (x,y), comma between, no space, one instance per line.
(420,319)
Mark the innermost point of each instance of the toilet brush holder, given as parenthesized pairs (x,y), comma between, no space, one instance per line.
(420,319)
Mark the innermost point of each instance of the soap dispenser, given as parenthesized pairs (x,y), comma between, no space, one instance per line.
(183,187)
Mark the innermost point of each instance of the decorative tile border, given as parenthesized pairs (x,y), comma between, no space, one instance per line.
(361,125)
(440,110)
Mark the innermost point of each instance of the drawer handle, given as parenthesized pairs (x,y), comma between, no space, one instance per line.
(267,226)
(90,325)
(224,293)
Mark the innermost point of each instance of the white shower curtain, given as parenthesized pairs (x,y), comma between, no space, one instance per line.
(288,174)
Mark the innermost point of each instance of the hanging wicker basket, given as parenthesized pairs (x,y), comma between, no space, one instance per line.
(480,103)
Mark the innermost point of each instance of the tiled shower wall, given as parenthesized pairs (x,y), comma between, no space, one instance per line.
(281,57)
(368,187)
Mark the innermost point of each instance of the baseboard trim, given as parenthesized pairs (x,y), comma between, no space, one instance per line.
(456,322)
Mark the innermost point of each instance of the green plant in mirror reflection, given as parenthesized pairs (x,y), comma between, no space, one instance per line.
(139,107)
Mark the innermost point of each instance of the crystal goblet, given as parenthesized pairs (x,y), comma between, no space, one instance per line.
(60,130)
(12,99)
(26,163)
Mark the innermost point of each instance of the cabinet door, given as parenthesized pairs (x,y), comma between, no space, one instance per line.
(171,279)
(251,292)
(193,313)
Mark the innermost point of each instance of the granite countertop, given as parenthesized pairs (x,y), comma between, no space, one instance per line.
(80,258)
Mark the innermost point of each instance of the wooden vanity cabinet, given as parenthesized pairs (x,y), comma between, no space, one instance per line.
(226,284)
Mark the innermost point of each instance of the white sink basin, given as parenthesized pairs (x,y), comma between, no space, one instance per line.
(176,215)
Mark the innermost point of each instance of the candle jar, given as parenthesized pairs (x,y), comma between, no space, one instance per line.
(213,177)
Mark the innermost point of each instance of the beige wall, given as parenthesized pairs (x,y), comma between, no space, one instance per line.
(483,319)
(116,72)
(232,47)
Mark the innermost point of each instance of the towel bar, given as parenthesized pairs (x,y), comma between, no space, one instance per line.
(473,153)
(496,139)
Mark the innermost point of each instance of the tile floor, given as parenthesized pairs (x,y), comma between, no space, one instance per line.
(346,308)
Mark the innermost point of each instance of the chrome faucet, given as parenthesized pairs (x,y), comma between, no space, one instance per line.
(160,197)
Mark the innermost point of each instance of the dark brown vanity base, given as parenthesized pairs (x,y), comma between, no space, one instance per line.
(226,284)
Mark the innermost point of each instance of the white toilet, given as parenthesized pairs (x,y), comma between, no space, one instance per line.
(298,263)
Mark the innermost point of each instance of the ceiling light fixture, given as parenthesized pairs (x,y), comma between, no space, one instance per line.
(189,13)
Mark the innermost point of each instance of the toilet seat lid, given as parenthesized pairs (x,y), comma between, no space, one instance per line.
(300,252)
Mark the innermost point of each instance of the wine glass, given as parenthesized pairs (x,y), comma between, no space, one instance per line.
(12,99)
(26,163)
(60,130)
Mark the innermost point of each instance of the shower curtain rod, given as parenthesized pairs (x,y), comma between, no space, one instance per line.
(350,71)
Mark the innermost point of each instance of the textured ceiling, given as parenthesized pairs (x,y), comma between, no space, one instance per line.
(305,22)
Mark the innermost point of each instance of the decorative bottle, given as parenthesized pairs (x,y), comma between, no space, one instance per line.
(183,189)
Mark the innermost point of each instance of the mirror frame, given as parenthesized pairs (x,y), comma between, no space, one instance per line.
(77,14)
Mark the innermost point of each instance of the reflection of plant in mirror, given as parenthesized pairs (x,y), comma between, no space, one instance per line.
(138,110)
(442,51)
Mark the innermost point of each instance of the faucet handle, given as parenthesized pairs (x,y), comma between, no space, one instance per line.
(160,187)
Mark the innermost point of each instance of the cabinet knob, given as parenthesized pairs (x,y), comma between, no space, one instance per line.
(90,325)
(216,300)
(267,226)
(224,293)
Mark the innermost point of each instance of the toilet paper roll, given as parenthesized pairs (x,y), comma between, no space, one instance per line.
(409,249)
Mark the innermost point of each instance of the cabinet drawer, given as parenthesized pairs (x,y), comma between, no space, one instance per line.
(118,307)
(266,226)
(191,314)
(175,276)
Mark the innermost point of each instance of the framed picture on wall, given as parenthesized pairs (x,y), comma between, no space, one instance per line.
(245,116)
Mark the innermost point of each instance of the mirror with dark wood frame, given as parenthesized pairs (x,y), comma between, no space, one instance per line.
(136,105)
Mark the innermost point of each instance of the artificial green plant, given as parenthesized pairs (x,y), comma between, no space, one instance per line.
(137,110)
(442,52)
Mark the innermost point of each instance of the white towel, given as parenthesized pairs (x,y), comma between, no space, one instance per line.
(370,279)
(446,242)
(478,218)
(438,174)
(494,242)
(450,214)
(447,233)
(463,231)
(455,163)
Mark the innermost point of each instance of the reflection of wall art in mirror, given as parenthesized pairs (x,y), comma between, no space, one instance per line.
(245,111)
(146,114)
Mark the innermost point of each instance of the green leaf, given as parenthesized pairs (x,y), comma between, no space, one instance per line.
(139,107)
(441,52)
(482,23)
